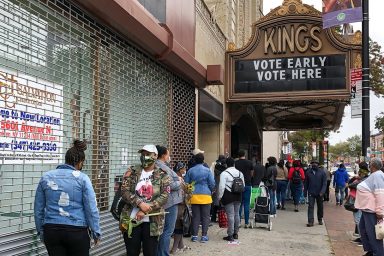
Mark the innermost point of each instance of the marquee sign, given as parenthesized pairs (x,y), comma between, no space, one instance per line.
(290,74)
(290,55)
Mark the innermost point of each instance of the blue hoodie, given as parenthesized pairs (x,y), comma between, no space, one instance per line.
(341,177)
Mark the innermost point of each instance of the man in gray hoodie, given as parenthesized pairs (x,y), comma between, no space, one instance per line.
(175,197)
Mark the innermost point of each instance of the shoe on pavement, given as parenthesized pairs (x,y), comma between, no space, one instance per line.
(204,239)
(356,241)
(296,210)
(283,208)
(320,222)
(310,225)
(194,238)
(235,236)
(229,238)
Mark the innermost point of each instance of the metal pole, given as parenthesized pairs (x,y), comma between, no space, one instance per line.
(366,86)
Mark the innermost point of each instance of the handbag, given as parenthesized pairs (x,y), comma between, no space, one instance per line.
(186,219)
(379,230)
(223,221)
(349,204)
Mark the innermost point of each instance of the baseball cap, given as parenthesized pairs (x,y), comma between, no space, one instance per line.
(197,151)
(149,148)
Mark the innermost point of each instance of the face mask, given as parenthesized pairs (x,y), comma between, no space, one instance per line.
(183,174)
(146,161)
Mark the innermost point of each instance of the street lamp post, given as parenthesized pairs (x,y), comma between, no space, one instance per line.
(366,86)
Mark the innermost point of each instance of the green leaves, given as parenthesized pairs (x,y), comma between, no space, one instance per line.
(379,122)
(349,148)
(376,62)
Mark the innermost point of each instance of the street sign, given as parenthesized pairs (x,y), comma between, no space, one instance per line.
(356,93)
(352,147)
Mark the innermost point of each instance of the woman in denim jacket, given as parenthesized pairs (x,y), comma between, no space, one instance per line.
(65,207)
(203,182)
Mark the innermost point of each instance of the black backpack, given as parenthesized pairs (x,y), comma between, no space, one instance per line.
(268,179)
(237,184)
(296,177)
(118,202)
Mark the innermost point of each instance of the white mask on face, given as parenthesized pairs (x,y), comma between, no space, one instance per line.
(183,174)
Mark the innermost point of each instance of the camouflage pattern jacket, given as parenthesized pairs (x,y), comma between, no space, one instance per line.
(161,189)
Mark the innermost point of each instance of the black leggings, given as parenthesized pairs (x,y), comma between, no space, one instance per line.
(64,240)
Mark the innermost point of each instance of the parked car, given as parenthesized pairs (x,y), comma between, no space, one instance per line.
(350,171)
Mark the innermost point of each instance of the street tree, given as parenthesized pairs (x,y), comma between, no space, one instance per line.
(379,122)
(345,149)
(302,139)
(376,76)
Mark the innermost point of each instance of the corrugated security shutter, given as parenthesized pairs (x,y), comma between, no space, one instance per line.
(65,76)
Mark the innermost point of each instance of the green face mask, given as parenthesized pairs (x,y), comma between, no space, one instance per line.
(146,161)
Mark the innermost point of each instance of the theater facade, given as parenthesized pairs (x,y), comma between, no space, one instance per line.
(292,75)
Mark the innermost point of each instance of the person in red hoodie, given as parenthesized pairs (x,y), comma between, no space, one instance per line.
(296,177)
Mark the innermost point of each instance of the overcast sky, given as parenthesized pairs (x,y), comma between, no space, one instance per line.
(350,127)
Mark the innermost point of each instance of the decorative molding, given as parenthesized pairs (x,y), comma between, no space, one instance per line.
(354,39)
(208,38)
(231,47)
(291,7)
(203,11)
(215,91)
(357,62)
(357,38)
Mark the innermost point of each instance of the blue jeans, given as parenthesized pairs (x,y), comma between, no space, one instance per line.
(368,234)
(357,217)
(272,204)
(339,193)
(245,201)
(281,191)
(169,227)
(297,190)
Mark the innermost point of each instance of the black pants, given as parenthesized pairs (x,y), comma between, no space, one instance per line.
(311,208)
(214,209)
(326,194)
(63,240)
(140,235)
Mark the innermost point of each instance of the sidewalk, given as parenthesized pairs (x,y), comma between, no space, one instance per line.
(340,226)
(289,237)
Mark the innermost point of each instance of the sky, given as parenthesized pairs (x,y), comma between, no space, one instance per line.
(350,127)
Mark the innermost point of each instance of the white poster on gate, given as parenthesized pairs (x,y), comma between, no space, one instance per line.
(31,119)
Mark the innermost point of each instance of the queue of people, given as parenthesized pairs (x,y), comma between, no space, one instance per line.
(157,199)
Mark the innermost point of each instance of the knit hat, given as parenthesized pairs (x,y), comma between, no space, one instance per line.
(363,172)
